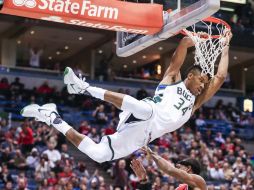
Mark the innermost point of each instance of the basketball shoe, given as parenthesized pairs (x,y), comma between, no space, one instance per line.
(46,113)
(75,85)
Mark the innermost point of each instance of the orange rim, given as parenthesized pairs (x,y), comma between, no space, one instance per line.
(215,21)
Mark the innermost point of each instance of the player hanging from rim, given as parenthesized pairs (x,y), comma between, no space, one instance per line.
(141,121)
(187,171)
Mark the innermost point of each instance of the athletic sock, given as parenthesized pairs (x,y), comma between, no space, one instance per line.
(59,123)
(96,92)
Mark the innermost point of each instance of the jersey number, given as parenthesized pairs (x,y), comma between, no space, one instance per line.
(180,105)
(155,99)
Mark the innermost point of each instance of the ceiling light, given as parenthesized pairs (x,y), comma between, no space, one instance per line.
(235,57)
(80,38)
(125,66)
(18,42)
(160,48)
(245,69)
(158,69)
(50,58)
(32,32)
(100,51)
(66,47)
(144,56)
(134,61)
(58,53)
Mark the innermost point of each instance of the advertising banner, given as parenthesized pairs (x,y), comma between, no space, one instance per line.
(102,14)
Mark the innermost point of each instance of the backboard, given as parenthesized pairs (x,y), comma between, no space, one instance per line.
(177,15)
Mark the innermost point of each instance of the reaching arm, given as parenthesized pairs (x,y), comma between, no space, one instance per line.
(190,179)
(172,74)
(214,85)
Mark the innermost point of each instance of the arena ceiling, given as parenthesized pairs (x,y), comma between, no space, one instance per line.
(71,41)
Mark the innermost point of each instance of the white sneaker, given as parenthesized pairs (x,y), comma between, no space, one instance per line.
(40,113)
(74,84)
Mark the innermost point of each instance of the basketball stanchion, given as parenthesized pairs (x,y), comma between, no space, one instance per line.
(102,14)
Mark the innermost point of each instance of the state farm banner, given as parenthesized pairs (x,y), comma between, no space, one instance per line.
(103,14)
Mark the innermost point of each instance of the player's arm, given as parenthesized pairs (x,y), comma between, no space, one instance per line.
(216,82)
(172,74)
(190,179)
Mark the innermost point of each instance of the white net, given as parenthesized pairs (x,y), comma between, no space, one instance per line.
(207,47)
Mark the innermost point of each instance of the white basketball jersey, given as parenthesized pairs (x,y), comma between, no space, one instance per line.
(173,106)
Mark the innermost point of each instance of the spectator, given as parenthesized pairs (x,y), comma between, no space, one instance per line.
(52,154)
(216,172)
(19,161)
(84,128)
(94,135)
(113,113)
(200,120)
(26,139)
(66,174)
(22,183)
(64,150)
(5,87)
(42,170)
(157,183)
(83,183)
(7,157)
(52,180)
(4,84)
(230,157)
(35,55)
(141,94)
(227,172)
(81,170)
(238,163)
(5,176)
(10,135)
(16,86)
(58,168)
(33,160)
(109,130)
(100,115)
(219,139)
(121,175)
(4,126)
(44,89)
(93,184)
(9,185)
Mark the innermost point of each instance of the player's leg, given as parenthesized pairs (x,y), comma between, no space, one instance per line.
(75,85)
(47,113)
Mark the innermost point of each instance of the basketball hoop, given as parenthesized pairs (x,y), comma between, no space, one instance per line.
(209,40)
